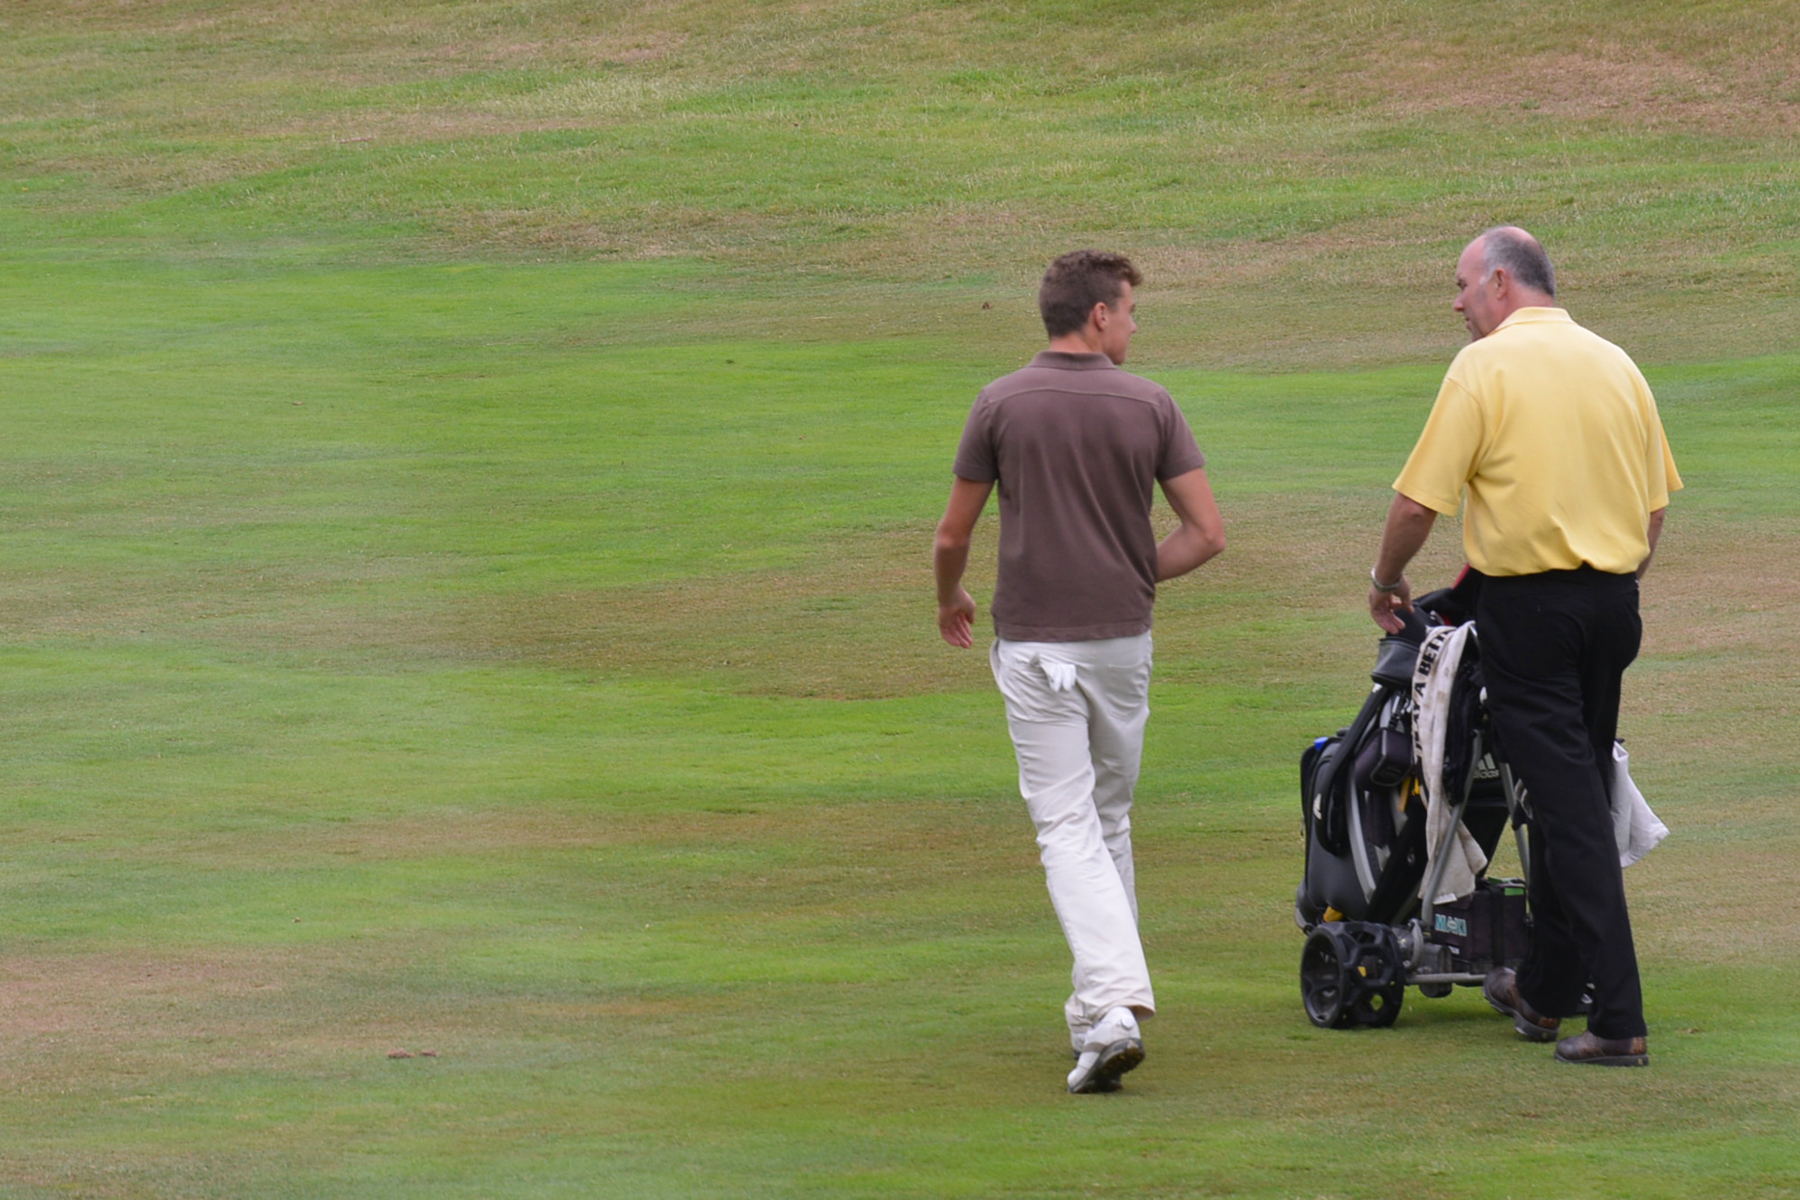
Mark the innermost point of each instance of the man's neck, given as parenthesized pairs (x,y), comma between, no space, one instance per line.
(1073,343)
(1528,300)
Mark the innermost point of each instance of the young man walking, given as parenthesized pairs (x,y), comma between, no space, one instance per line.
(1077,447)
(1552,435)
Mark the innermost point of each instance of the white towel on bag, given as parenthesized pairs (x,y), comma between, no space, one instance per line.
(1635,828)
(1433,678)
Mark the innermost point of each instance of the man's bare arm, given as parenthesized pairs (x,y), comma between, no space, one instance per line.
(1408,525)
(1201,533)
(950,558)
(1652,533)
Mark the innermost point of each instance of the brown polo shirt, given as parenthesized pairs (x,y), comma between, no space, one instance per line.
(1076,445)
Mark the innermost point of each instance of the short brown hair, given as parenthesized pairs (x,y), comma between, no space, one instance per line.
(1077,281)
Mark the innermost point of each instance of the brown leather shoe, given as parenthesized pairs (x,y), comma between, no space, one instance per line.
(1603,1052)
(1501,990)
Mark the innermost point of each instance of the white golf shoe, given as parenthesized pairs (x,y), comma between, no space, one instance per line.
(1113,1046)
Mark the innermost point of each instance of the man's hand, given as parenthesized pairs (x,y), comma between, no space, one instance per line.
(950,556)
(1408,525)
(956,620)
(1385,607)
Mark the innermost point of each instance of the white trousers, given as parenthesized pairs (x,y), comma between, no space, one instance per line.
(1077,712)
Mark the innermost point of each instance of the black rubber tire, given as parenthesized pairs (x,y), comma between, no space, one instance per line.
(1322,981)
(1351,976)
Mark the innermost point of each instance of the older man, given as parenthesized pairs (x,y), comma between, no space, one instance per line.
(1554,438)
(1077,446)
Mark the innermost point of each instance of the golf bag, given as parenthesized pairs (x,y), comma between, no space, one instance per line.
(1369,900)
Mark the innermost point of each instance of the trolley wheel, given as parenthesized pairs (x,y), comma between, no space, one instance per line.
(1351,975)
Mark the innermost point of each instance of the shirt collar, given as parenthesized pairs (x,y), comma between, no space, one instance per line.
(1527,315)
(1067,361)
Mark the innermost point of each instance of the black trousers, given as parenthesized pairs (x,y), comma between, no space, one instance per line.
(1554,648)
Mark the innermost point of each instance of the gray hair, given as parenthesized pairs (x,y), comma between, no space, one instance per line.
(1521,255)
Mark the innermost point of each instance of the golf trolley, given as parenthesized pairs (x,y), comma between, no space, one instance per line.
(1371,928)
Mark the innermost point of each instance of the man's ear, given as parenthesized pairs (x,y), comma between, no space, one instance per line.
(1099,316)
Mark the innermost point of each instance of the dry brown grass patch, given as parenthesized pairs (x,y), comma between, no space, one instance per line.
(854,622)
(1628,85)
(137,996)
(1712,589)
(1711,904)
(498,831)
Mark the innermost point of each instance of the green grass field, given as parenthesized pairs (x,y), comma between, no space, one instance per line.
(467,481)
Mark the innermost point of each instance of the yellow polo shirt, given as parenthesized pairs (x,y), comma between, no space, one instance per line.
(1553,434)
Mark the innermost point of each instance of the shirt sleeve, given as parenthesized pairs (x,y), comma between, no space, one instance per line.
(1180,453)
(1662,466)
(1674,479)
(1447,450)
(976,459)
(1659,465)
